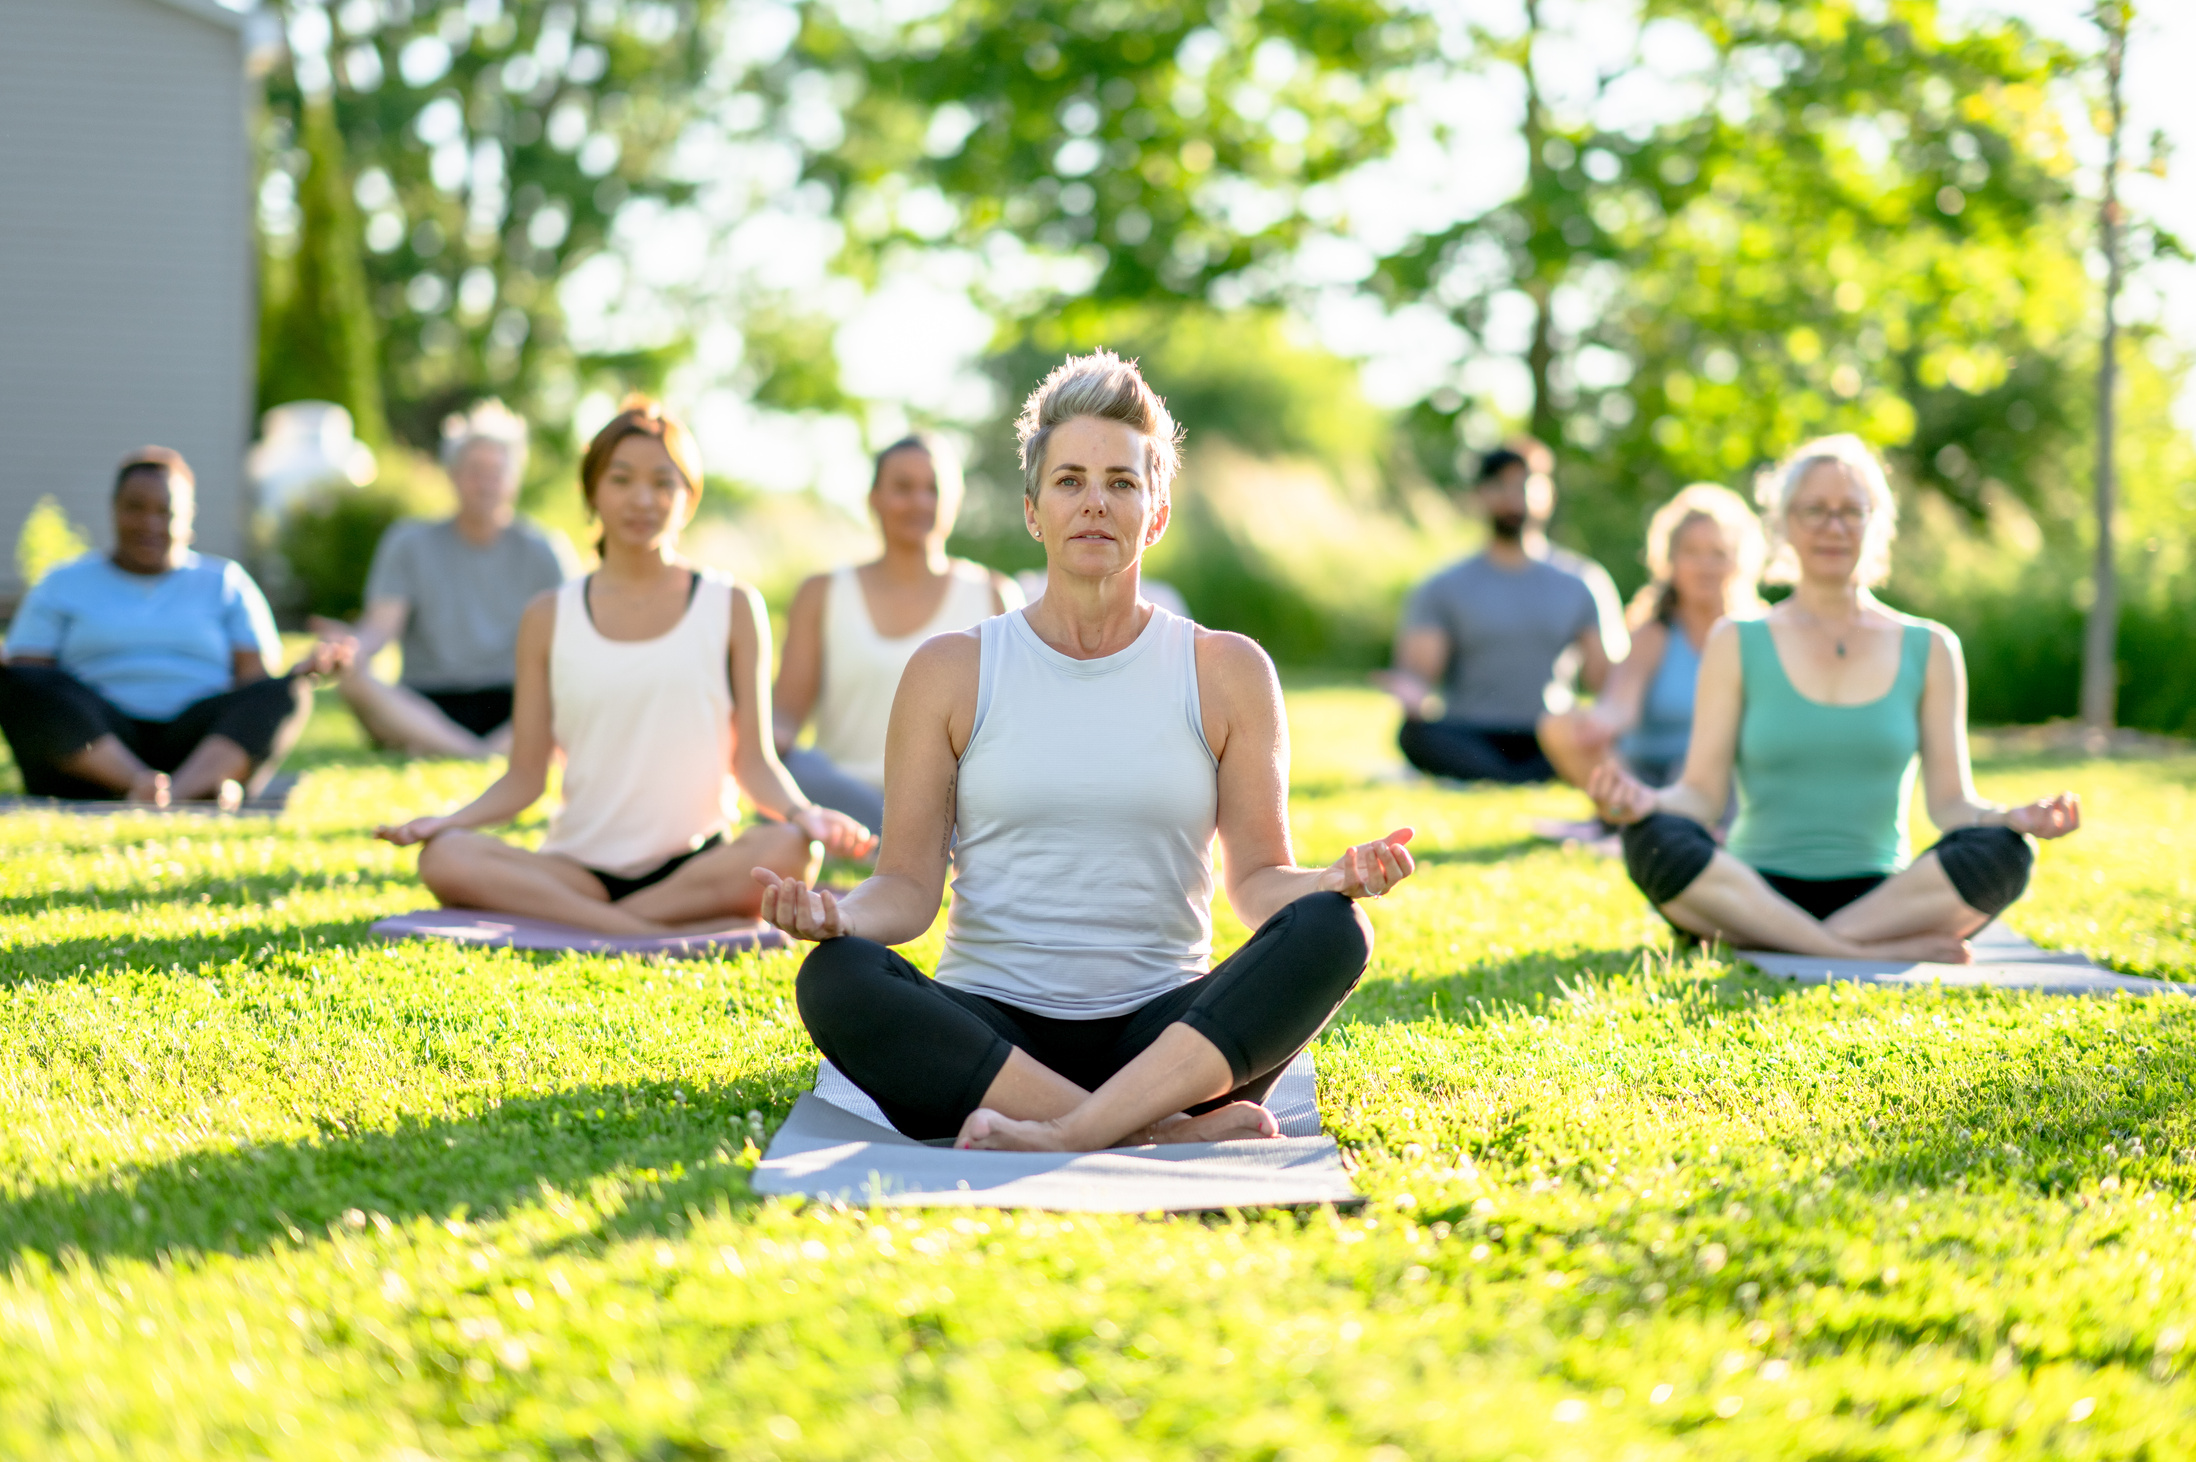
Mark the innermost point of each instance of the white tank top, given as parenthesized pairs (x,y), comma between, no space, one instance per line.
(646,728)
(1084,813)
(862,669)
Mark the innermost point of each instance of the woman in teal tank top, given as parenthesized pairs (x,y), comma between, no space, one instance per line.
(1820,717)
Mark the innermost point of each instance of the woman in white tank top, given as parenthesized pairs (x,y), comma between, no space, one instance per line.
(851,632)
(1079,757)
(648,675)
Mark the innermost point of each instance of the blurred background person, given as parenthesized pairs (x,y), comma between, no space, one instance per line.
(148,673)
(1489,646)
(851,632)
(1820,712)
(1705,555)
(649,676)
(451,593)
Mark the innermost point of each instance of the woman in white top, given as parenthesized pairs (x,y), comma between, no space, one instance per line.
(1079,756)
(851,632)
(648,675)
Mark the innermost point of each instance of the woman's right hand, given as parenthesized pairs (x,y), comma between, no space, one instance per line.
(1622,798)
(801,911)
(418,830)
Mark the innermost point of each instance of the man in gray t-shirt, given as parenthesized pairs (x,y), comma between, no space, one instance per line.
(1501,634)
(453,591)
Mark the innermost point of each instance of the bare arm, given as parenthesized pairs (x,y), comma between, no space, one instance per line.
(1704,790)
(532,742)
(1948,781)
(755,764)
(1247,729)
(381,624)
(1421,660)
(1624,692)
(1593,659)
(800,674)
(933,715)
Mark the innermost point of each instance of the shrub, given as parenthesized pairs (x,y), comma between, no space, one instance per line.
(48,539)
(327,539)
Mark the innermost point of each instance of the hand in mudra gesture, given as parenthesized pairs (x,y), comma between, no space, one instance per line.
(1370,869)
(1623,798)
(2052,817)
(801,911)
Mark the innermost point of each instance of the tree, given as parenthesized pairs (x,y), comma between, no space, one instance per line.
(1157,149)
(492,144)
(1860,224)
(2100,639)
(317,331)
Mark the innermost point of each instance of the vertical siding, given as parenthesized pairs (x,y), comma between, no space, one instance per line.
(126,303)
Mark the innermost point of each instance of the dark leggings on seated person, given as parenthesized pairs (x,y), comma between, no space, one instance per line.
(1475,753)
(48,716)
(1988,866)
(478,711)
(928,1052)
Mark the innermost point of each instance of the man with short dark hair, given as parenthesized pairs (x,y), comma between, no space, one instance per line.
(1488,645)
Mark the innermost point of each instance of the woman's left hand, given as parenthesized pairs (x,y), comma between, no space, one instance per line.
(1370,869)
(2053,817)
(841,836)
(326,657)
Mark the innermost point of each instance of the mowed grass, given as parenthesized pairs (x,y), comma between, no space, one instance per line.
(267,1188)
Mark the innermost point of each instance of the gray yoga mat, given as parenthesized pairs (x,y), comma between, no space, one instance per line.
(836,1145)
(270,802)
(511,931)
(2004,960)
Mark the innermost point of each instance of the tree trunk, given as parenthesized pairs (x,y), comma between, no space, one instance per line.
(2100,645)
(1543,266)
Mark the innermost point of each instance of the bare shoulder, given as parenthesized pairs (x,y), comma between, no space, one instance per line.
(944,666)
(541,611)
(1233,668)
(811,592)
(1723,637)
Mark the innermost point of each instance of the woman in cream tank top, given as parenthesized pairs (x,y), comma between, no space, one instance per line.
(648,675)
(1079,758)
(851,632)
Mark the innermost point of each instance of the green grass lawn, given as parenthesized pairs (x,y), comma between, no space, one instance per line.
(269,1189)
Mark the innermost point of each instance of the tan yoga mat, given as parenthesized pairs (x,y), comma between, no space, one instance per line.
(827,1151)
(2004,960)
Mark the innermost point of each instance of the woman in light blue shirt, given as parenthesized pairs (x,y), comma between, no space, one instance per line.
(1705,554)
(147,674)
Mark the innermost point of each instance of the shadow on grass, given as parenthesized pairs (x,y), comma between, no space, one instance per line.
(675,1152)
(21,964)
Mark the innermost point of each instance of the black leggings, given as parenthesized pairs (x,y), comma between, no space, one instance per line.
(927,1052)
(1988,866)
(1474,753)
(49,716)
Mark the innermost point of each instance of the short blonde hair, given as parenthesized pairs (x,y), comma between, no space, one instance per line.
(1774,490)
(1104,386)
(1700,502)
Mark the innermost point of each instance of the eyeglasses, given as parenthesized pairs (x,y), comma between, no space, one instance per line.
(1814,517)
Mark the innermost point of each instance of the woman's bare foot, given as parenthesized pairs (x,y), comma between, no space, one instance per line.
(1235,1122)
(993,1132)
(151,788)
(229,796)
(1939,949)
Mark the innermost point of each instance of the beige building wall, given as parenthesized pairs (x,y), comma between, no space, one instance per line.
(127,306)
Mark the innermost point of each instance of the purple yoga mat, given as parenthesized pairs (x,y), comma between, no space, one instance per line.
(510,931)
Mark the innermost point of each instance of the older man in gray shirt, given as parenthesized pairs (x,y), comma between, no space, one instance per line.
(1501,635)
(454,590)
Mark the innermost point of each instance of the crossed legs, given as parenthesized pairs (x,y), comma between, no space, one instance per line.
(1925,912)
(469,870)
(1191,1065)
(398,717)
